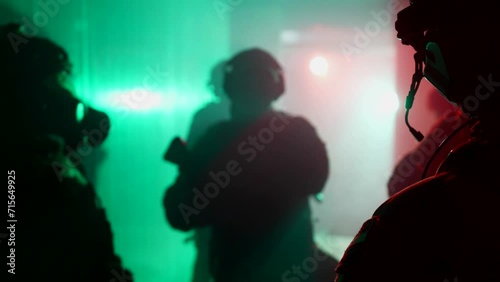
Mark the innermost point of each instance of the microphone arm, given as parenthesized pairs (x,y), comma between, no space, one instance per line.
(416,79)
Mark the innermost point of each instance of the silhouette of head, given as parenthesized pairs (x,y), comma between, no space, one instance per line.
(32,59)
(252,77)
(38,71)
(458,43)
(216,80)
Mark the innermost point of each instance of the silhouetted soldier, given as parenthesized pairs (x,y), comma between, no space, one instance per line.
(63,232)
(444,228)
(211,114)
(250,179)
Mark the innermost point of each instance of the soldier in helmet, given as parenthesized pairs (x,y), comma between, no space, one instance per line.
(250,178)
(63,234)
(444,228)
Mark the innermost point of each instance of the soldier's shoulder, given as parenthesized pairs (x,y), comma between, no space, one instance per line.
(428,195)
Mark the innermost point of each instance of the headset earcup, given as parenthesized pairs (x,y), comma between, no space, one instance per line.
(281,85)
(264,80)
